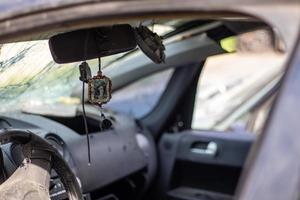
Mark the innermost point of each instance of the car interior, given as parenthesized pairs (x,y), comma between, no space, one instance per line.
(151,148)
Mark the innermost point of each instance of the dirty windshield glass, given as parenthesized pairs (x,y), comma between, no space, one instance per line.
(29,78)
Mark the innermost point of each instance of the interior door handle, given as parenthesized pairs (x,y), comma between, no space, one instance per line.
(210,149)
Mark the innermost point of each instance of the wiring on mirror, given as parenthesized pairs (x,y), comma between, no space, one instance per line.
(85,75)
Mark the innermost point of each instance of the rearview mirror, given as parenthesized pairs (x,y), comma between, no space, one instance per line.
(92,43)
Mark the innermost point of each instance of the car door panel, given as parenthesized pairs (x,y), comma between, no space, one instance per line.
(202,164)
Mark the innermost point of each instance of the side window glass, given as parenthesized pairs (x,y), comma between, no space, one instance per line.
(258,116)
(231,84)
(139,98)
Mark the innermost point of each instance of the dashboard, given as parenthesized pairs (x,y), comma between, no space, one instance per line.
(122,158)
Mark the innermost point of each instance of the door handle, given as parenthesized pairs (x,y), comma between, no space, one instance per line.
(210,149)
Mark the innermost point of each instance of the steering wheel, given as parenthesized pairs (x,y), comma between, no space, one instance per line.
(32,178)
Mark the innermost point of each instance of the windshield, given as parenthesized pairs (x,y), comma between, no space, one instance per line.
(28,75)
(30,78)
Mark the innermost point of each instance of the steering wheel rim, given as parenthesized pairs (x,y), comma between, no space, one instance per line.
(63,170)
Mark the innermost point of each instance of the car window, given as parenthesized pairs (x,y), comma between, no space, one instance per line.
(258,116)
(253,120)
(231,84)
(139,98)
